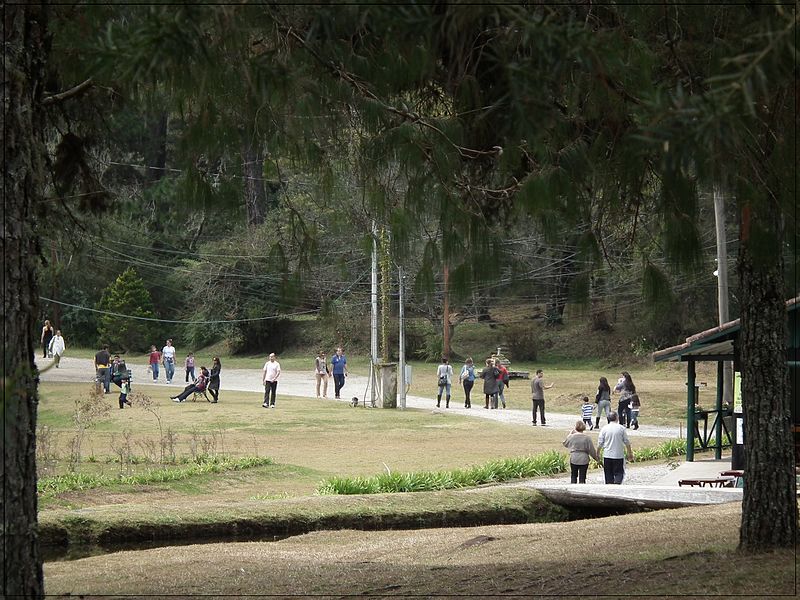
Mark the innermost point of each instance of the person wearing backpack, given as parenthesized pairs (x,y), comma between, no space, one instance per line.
(467,378)
(502,381)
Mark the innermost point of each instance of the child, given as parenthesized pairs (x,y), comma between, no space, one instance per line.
(190,366)
(586,412)
(155,359)
(636,404)
(124,388)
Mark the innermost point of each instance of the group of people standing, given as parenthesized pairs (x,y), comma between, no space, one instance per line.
(323,371)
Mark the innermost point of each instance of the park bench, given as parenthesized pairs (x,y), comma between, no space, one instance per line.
(718,482)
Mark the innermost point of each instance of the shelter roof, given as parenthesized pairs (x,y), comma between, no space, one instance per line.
(714,342)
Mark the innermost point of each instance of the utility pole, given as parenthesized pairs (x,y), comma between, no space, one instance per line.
(374,316)
(722,284)
(446,315)
(401,316)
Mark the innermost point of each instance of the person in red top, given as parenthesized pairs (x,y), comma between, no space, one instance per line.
(502,380)
(155,360)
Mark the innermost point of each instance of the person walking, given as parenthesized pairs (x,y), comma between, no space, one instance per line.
(489,376)
(537,395)
(580,448)
(124,390)
(154,359)
(47,335)
(603,399)
(626,389)
(613,439)
(339,368)
(57,347)
(636,405)
(502,381)
(213,379)
(168,357)
(102,366)
(189,366)
(444,374)
(321,372)
(467,378)
(272,371)
(587,408)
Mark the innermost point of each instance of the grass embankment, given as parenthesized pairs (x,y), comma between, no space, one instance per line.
(213,520)
(684,552)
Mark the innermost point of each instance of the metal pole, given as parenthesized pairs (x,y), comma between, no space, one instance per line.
(690,407)
(402,326)
(446,314)
(722,283)
(374,316)
(718,427)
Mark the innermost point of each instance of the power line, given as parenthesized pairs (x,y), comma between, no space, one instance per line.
(174,321)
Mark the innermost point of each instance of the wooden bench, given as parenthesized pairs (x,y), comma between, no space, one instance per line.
(708,482)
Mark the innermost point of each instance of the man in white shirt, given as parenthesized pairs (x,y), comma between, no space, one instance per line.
(272,370)
(168,358)
(616,446)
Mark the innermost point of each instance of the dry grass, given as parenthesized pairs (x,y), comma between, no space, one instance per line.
(680,552)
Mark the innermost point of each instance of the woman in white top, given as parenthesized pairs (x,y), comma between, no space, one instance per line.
(57,347)
(445,376)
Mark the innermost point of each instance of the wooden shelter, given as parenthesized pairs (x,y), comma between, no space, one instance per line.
(721,344)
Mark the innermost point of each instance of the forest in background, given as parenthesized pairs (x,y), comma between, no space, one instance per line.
(240,214)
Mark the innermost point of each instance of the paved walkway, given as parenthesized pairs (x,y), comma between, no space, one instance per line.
(302,384)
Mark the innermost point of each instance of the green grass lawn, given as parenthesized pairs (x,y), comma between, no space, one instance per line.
(308,439)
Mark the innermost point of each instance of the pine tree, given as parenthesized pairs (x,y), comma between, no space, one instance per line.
(127,295)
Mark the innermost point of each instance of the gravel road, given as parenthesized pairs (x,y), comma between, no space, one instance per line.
(302,384)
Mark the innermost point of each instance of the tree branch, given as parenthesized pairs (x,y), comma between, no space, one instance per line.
(78,89)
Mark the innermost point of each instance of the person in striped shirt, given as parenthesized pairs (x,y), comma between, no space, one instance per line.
(586,412)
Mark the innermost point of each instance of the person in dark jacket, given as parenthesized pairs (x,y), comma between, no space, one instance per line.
(490,389)
(213,380)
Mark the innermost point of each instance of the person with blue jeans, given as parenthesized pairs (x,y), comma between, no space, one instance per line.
(445,376)
(339,370)
(168,356)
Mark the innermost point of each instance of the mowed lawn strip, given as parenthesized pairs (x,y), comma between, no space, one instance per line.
(688,552)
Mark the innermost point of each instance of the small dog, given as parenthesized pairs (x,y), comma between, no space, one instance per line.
(354,401)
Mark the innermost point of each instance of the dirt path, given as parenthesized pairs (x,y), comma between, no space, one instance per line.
(302,384)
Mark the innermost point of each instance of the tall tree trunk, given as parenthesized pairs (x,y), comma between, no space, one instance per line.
(255,197)
(26,41)
(158,160)
(769,508)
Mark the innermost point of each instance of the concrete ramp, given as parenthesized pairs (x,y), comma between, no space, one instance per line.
(636,496)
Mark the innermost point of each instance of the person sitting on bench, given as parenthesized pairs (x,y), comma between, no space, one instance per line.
(199,385)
